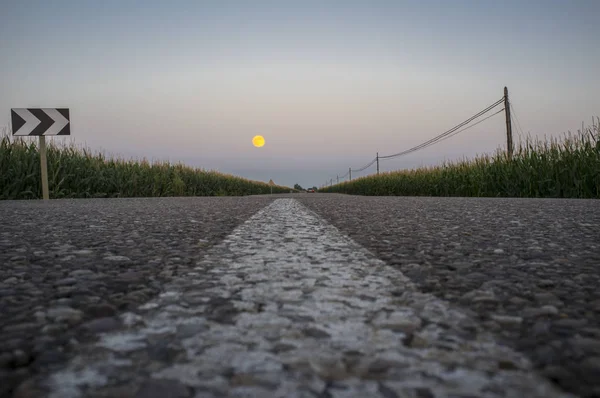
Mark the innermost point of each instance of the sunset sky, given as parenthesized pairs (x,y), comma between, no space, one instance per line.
(327,83)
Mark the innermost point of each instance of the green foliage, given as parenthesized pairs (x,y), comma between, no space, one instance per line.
(566,168)
(298,187)
(78,173)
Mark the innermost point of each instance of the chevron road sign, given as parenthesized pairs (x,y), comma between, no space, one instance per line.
(40,121)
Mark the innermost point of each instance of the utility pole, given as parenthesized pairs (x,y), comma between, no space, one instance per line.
(509,140)
(350,172)
(338,178)
(377,163)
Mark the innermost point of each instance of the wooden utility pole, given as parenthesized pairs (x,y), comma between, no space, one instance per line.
(44,165)
(509,140)
(338,178)
(377,163)
(350,172)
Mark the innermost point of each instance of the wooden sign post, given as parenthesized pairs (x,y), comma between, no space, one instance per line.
(44,164)
(41,122)
(271,183)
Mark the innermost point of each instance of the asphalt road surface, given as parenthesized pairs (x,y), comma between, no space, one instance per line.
(308,295)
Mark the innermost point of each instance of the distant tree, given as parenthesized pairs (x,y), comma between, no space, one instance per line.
(298,187)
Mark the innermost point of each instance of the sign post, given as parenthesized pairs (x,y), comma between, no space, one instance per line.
(271,183)
(41,122)
(44,164)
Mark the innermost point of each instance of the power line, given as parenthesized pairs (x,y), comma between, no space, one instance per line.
(450,133)
(366,166)
(516,118)
(341,177)
(473,125)
(444,134)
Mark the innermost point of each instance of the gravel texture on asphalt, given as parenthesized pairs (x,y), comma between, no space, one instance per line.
(527,269)
(286,306)
(69,267)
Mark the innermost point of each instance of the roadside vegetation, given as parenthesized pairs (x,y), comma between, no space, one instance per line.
(568,167)
(75,172)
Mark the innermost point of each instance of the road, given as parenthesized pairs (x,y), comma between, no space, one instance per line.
(300,295)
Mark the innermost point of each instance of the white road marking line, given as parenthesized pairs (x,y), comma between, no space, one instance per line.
(287,305)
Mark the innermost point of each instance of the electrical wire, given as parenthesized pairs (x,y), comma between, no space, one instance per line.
(516,118)
(444,134)
(365,167)
(473,125)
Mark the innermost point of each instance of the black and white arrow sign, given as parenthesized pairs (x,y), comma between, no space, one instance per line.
(40,121)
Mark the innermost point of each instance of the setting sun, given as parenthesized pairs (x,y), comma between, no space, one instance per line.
(258,141)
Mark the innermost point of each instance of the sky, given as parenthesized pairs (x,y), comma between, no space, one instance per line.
(327,83)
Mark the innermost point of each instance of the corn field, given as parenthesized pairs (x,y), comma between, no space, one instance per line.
(78,173)
(557,168)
